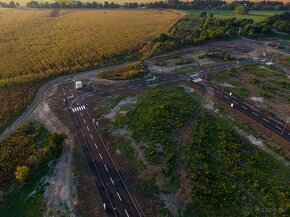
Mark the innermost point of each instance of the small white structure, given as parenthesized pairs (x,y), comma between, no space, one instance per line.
(79,85)
(197,80)
(269,63)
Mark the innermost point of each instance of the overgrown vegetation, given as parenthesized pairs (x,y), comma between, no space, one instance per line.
(28,146)
(37,45)
(226,175)
(134,70)
(24,159)
(196,29)
(280,22)
(285,60)
(230,177)
(157,115)
(270,84)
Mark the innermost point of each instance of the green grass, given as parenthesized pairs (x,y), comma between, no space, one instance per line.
(158,114)
(256,15)
(270,81)
(285,60)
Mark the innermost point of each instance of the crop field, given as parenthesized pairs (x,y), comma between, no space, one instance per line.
(253,14)
(35,46)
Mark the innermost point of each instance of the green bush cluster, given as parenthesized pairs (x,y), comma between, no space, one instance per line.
(241,9)
(127,72)
(28,146)
(280,21)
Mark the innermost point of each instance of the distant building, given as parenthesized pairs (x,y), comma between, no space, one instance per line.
(172,2)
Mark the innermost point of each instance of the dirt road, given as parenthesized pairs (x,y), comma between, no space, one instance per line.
(48,87)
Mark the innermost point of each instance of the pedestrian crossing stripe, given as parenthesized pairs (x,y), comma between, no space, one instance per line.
(77,109)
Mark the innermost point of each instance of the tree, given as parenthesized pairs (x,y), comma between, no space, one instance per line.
(106,4)
(203,14)
(12,4)
(241,9)
(163,37)
(21,173)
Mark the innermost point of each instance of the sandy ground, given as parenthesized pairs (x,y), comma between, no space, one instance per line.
(185,60)
(60,194)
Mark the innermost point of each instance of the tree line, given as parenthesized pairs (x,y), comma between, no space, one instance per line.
(224,5)
(189,5)
(75,4)
(94,4)
(11,4)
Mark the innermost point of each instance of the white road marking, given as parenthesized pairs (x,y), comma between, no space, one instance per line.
(278,127)
(235,102)
(77,109)
(84,120)
(139,84)
(127,213)
(244,107)
(119,196)
(88,128)
(106,167)
(226,97)
(121,88)
(112,181)
(96,146)
(100,156)
(110,90)
(92,136)
(81,114)
(265,120)
(130,86)
(255,113)
(83,107)
(73,110)
(218,92)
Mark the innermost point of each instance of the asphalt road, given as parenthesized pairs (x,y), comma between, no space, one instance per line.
(278,128)
(237,104)
(108,179)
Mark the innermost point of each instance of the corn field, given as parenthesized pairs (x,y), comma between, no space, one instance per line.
(35,46)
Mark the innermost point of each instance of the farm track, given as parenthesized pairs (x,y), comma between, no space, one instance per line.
(45,87)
